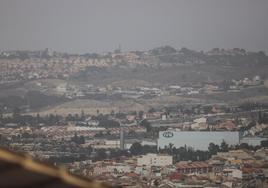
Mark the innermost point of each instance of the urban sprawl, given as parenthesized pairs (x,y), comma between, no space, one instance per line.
(138,133)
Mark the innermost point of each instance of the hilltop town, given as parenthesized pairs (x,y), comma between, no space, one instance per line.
(142,79)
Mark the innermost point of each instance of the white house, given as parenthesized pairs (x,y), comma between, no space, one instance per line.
(154,160)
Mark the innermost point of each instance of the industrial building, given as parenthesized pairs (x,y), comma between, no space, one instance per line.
(198,140)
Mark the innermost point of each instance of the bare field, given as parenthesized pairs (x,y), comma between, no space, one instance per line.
(105,107)
(93,107)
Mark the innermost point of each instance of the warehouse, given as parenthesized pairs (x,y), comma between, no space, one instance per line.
(199,140)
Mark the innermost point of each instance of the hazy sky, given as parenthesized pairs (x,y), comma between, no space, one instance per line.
(101,25)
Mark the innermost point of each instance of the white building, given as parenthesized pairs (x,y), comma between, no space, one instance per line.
(61,88)
(232,173)
(196,139)
(201,120)
(105,144)
(154,160)
(119,168)
(83,128)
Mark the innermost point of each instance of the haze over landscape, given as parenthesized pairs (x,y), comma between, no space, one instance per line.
(136,94)
(100,26)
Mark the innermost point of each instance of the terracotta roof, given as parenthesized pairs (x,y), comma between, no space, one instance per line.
(251,170)
(193,165)
(175,176)
(131,174)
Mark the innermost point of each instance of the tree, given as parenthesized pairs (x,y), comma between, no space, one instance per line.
(149,149)
(105,122)
(101,154)
(156,183)
(89,150)
(82,115)
(70,117)
(141,114)
(207,109)
(146,124)
(224,146)
(213,148)
(78,140)
(136,149)
(170,148)
(264,143)
(75,138)
(151,110)
(120,115)
(163,50)
(81,140)
(260,118)
(38,119)
(99,134)
(16,114)
(243,146)
(76,116)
